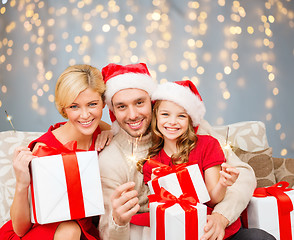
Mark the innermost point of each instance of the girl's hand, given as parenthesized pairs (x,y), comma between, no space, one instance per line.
(21,160)
(228,174)
(103,139)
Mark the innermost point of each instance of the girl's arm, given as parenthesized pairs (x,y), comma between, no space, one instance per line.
(217,179)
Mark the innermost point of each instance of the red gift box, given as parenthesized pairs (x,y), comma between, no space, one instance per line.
(179,179)
(271,209)
(65,186)
(175,218)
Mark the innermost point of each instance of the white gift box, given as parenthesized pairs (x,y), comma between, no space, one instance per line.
(171,183)
(175,221)
(262,213)
(50,193)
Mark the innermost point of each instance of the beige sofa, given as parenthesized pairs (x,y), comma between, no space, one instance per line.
(248,140)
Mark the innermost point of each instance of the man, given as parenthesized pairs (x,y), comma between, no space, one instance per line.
(128,90)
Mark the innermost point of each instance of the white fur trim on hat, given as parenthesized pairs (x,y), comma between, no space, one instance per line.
(128,80)
(182,96)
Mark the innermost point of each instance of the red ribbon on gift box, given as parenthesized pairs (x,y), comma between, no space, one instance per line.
(185,201)
(181,172)
(284,203)
(72,177)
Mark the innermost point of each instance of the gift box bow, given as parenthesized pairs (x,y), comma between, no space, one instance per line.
(284,203)
(181,172)
(68,148)
(72,175)
(186,201)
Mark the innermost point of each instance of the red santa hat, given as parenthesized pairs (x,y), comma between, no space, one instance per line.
(118,77)
(185,94)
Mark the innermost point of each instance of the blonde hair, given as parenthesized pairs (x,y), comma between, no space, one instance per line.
(185,143)
(73,81)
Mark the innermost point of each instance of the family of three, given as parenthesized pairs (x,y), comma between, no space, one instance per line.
(163,122)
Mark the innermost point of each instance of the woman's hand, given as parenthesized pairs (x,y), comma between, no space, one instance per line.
(103,139)
(21,160)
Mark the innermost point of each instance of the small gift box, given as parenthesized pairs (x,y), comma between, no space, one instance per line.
(182,178)
(174,218)
(271,209)
(65,186)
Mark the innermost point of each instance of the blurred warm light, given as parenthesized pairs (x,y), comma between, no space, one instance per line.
(271,77)
(162,68)
(284,152)
(223,85)
(206,57)
(68,48)
(40,92)
(9,67)
(200,70)
(105,28)
(199,44)
(278,126)
(221,18)
(48,75)
(235,57)
(184,65)
(269,117)
(269,103)
(275,91)
(250,30)
(4,89)
(227,70)
(51,98)
(156,16)
(220,121)
(219,76)
(87,59)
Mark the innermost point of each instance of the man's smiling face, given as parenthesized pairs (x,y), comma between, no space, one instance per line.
(133,111)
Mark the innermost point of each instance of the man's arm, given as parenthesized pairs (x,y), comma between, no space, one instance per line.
(237,196)
(235,201)
(120,199)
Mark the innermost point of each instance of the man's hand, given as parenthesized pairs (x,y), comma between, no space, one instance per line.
(215,227)
(124,203)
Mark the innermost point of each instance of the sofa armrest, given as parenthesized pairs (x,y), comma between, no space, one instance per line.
(284,170)
(248,135)
(9,140)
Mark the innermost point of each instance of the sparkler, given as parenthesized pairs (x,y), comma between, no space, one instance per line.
(134,145)
(8,117)
(227,146)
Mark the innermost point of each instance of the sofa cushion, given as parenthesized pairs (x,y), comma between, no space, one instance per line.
(9,140)
(262,164)
(249,136)
(284,170)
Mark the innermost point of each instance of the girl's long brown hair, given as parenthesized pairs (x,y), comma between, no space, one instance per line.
(185,143)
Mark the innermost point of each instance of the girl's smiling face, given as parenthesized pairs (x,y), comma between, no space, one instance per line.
(172,120)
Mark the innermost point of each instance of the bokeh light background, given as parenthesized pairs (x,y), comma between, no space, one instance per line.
(240,54)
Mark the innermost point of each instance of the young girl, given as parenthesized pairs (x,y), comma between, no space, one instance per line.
(177,112)
(79,97)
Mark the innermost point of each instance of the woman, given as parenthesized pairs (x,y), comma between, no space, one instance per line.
(79,97)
